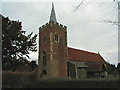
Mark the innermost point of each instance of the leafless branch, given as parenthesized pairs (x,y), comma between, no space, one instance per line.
(78,5)
(111,22)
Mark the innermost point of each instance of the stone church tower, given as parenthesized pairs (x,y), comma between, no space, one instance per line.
(53,53)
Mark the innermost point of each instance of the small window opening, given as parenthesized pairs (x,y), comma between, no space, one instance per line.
(44,59)
(56,37)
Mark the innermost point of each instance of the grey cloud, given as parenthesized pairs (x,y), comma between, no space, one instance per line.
(83,30)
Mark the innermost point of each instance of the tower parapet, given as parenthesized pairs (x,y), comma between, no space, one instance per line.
(54,25)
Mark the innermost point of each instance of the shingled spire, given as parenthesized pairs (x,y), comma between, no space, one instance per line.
(52,16)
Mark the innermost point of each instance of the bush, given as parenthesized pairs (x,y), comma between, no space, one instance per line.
(29,80)
(17,79)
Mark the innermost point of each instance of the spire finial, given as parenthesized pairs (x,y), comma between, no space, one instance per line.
(53,16)
(52,4)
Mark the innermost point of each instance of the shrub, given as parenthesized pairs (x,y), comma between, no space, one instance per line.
(29,80)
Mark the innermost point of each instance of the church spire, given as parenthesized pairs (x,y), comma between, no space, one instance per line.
(52,16)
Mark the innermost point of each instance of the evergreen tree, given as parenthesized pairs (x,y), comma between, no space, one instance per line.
(15,44)
(33,65)
(118,68)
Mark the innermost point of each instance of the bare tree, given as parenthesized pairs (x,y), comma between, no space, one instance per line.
(106,21)
(78,5)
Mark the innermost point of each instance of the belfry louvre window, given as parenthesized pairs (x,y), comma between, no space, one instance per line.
(44,59)
(56,37)
(44,38)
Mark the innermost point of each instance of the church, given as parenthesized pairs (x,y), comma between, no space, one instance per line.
(57,60)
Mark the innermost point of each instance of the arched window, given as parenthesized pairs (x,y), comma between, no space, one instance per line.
(44,59)
(44,73)
(56,37)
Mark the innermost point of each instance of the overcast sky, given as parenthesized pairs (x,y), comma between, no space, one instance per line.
(85,28)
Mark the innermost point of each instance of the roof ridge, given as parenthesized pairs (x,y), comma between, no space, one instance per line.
(83,50)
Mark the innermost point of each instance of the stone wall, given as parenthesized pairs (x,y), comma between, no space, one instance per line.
(56,51)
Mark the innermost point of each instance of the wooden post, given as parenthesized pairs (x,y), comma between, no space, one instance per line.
(76,72)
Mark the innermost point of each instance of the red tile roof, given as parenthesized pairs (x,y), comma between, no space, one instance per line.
(84,56)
